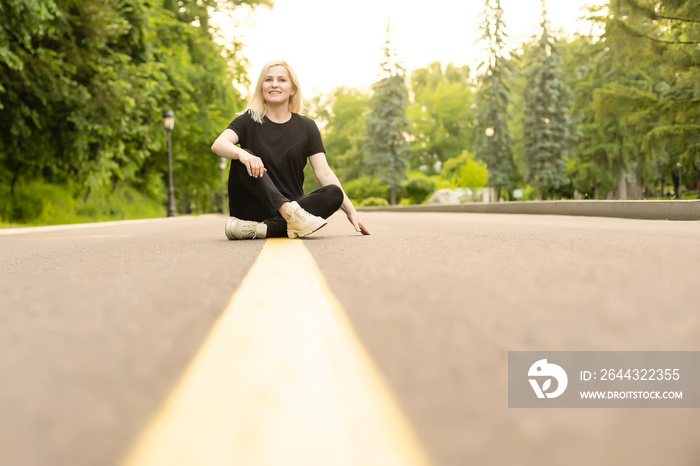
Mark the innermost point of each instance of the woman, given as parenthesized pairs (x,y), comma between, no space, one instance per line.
(265,184)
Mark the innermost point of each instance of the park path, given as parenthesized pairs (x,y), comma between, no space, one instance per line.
(99,324)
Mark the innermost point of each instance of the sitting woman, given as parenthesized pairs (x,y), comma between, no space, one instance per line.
(265,184)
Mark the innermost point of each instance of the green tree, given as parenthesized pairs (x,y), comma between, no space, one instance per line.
(622,109)
(493,137)
(441,114)
(466,172)
(592,164)
(83,84)
(662,36)
(388,128)
(74,75)
(342,117)
(546,123)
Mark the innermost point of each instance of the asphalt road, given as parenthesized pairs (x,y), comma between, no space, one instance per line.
(97,324)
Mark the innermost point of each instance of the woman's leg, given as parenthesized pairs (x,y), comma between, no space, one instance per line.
(262,188)
(323,203)
(252,200)
(266,200)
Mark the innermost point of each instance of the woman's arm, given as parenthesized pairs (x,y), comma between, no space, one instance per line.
(225,146)
(325,176)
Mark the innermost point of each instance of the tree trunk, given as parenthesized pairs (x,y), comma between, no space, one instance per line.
(622,185)
(13,183)
(676,183)
(392,195)
(636,190)
(622,179)
(184,202)
(539,190)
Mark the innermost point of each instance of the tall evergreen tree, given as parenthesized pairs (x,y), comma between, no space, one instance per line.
(594,165)
(546,122)
(387,146)
(660,39)
(493,139)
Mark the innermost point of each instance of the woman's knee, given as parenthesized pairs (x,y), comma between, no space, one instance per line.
(240,170)
(335,195)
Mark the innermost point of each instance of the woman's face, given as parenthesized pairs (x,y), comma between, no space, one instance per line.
(277,86)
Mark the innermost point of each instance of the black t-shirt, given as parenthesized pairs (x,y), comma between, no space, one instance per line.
(283,147)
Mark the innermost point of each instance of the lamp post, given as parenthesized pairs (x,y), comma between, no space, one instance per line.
(169,124)
(222,166)
(489,132)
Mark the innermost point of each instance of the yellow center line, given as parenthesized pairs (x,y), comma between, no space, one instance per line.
(282,379)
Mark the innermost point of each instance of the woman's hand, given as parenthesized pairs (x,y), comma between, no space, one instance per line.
(253,164)
(355,220)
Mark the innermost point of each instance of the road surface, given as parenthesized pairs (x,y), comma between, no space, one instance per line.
(98,324)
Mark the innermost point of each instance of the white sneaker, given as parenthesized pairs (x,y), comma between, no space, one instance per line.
(301,223)
(244,229)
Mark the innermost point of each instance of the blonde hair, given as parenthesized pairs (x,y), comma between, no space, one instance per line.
(257,105)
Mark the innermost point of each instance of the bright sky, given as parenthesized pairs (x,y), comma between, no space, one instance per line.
(333,43)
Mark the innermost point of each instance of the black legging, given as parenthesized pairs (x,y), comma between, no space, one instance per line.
(323,202)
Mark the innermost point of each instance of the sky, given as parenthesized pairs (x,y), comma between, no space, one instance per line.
(334,43)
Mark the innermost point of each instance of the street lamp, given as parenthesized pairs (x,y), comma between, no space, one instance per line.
(489,132)
(169,124)
(222,166)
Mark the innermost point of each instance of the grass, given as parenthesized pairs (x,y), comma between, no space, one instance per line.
(38,204)
(687,196)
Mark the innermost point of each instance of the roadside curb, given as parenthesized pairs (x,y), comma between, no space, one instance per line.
(645,210)
(75,226)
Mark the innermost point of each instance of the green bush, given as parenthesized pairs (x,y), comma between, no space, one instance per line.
(24,208)
(123,203)
(418,187)
(364,187)
(26,205)
(59,204)
(529,193)
(465,171)
(374,202)
(49,204)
